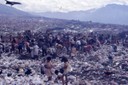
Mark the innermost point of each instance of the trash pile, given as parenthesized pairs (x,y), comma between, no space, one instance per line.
(101,67)
(63,58)
(44,51)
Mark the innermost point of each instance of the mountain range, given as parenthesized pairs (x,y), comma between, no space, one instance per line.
(113,14)
(109,14)
(11,11)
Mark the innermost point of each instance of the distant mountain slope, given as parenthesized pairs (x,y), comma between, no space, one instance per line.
(116,14)
(113,14)
(10,11)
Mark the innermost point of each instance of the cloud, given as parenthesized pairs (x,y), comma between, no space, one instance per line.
(63,5)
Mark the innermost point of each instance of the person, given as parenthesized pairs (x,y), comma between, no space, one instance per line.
(114,47)
(60,76)
(87,49)
(66,68)
(1,49)
(48,68)
(20,47)
(27,45)
(27,71)
(78,44)
(21,71)
(44,50)
(35,51)
(73,52)
(110,59)
(1,71)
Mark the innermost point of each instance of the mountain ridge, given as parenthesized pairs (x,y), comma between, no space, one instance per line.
(109,14)
(11,11)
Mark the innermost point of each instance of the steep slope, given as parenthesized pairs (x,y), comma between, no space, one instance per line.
(10,11)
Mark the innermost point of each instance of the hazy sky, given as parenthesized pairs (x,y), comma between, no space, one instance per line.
(62,5)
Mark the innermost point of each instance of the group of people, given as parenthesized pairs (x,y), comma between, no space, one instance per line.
(57,43)
(51,45)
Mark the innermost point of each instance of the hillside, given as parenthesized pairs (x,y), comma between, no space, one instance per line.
(11,11)
(112,14)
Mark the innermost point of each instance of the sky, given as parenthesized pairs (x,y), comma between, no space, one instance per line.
(63,5)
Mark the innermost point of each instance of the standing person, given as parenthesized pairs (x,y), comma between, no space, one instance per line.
(110,58)
(78,44)
(35,51)
(73,52)
(66,68)
(48,68)
(1,49)
(13,45)
(44,50)
(27,46)
(20,47)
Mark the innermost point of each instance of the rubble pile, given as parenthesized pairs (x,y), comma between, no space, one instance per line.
(91,69)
